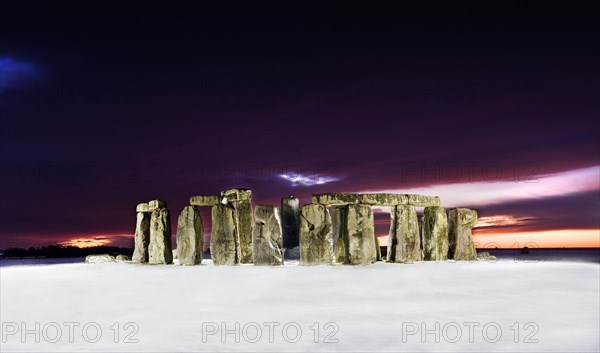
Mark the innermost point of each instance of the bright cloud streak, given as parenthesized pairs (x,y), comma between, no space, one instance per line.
(486,193)
(299,179)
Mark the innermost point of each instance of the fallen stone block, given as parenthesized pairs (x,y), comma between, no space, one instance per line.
(100,258)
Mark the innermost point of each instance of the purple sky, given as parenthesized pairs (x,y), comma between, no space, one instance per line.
(104,105)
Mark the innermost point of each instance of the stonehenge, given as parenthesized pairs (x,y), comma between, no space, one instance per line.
(334,228)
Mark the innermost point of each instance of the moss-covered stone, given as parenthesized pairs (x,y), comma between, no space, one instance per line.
(435,234)
(205,200)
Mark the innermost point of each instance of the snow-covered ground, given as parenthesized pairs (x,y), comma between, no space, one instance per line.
(482,306)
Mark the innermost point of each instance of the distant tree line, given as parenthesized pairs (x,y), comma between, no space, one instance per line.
(54,251)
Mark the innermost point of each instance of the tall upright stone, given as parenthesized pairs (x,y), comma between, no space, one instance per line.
(142,237)
(266,236)
(460,238)
(190,236)
(224,240)
(420,218)
(316,237)
(359,235)
(339,215)
(160,251)
(405,239)
(241,201)
(435,234)
(290,221)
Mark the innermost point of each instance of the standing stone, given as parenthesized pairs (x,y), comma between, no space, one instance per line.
(290,221)
(435,233)
(190,236)
(460,238)
(359,235)
(142,237)
(420,218)
(160,251)
(224,241)
(405,240)
(241,201)
(316,237)
(339,214)
(266,236)
(245,224)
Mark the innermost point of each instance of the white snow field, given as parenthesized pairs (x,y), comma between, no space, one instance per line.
(503,306)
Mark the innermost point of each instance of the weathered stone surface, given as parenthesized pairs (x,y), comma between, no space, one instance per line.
(335,199)
(224,240)
(266,236)
(423,201)
(205,200)
(316,237)
(290,221)
(142,207)
(150,206)
(420,218)
(359,235)
(338,221)
(378,199)
(405,239)
(243,213)
(460,239)
(156,204)
(142,237)
(159,250)
(122,258)
(382,199)
(235,195)
(190,236)
(100,258)
(435,234)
